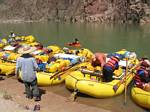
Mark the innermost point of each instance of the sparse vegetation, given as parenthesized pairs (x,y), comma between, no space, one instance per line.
(4,94)
(7,96)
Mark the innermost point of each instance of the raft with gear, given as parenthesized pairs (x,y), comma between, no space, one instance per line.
(53,78)
(7,68)
(89,81)
(141,97)
(8,59)
(56,71)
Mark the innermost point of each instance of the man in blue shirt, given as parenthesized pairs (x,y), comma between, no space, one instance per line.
(28,66)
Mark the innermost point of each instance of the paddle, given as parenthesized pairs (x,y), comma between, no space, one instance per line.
(116,86)
(61,72)
(125,84)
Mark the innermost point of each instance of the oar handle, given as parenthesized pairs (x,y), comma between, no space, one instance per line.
(125,84)
(59,73)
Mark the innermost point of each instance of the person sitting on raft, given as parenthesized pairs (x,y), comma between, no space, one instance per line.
(75,43)
(11,37)
(12,34)
(142,77)
(111,65)
(99,59)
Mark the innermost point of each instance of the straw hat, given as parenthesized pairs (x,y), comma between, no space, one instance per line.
(26,49)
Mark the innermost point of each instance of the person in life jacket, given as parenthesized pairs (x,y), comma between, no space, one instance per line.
(99,59)
(108,69)
(142,77)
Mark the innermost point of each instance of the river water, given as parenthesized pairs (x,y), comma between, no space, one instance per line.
(97,38)
(101,38)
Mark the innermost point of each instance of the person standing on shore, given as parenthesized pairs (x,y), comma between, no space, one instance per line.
(28,66)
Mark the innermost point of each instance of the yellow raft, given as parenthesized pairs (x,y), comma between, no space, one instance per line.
(93,86)
(86,53)
(3,42)
(26,39)
(56,49)
(141,97)
(12,56)
(47,79)
(7,68)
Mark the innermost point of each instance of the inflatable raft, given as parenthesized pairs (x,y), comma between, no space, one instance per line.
(7,68)
(73,44)
(93,85)
(57,77)
(141,97)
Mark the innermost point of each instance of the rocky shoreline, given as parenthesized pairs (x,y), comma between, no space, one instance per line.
(97,11)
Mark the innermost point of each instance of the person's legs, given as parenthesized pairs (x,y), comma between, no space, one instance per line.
(28,90)
(107,75)
(35,89)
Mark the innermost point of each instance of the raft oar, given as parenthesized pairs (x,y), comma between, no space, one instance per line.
(116,86)
(125,84)
(61,72)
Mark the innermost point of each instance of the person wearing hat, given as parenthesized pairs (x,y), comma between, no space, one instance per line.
(28,66)
(142,77)
(108,69)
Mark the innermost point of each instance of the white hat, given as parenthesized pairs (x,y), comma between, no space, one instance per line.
(26,49)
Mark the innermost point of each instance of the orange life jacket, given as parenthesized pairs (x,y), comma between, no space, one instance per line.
(112,61)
